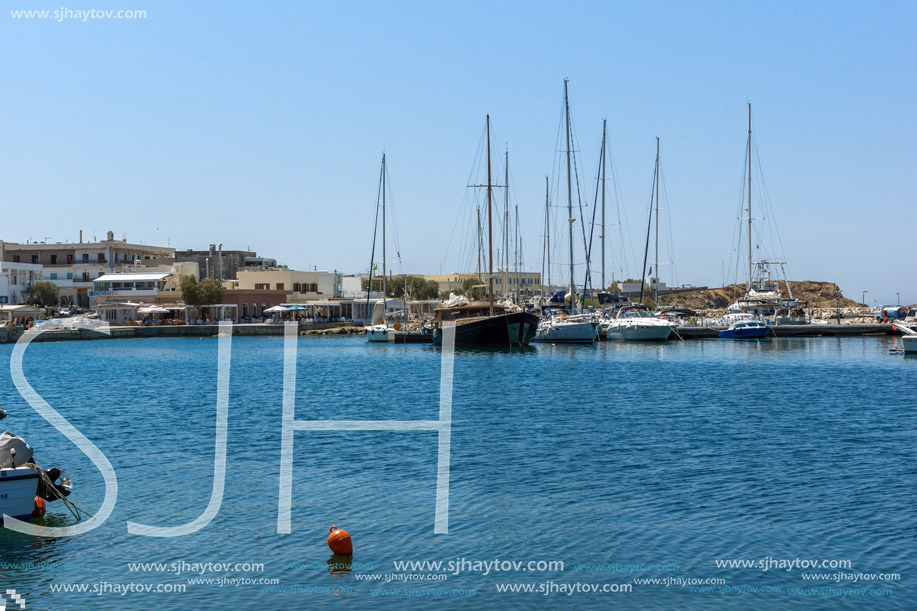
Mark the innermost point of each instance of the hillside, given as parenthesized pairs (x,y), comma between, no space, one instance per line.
(813,294)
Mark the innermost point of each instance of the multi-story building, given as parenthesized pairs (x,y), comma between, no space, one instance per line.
(304,285)
(223,264)
(505,283)
(16,279)
(72,266)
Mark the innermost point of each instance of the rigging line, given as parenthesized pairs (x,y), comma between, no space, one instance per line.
(649,224)
(769,205)
(668,223)
(587,282)
(372,256)
(475,165)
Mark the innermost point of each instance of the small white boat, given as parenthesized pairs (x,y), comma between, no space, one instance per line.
(636,324)
(18,488)
(909,339)
(381,332)
(557,328)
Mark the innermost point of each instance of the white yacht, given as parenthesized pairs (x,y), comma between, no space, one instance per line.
(638,323)
(560,328)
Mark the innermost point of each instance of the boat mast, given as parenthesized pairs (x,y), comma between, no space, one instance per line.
(384,260)
(570,219)
(490,228)
(748,288)
(603,204)
(656,267)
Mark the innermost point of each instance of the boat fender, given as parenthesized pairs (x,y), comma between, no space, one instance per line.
(339,541)
(39,509)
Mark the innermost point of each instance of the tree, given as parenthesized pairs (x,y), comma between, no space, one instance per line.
(43,293)
(418,287)
(208,291)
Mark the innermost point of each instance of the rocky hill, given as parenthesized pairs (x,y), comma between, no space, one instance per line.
(813,294)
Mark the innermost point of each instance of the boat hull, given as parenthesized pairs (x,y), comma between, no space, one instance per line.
(910,344)
(18,488)
(516,329)
(638,333)
(379,333)
(746,333)
(567,332)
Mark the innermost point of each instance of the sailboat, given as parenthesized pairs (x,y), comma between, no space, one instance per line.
(379,330)
(639,323)
(762,291)
(558,327)
(486,324)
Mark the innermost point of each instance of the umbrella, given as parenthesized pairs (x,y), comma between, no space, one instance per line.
(276,308)
(296,308)
(152,310)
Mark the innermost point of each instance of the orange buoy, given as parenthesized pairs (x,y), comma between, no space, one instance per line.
(38,511)
(339,541)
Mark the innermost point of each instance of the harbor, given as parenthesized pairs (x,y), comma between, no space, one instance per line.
(476,306)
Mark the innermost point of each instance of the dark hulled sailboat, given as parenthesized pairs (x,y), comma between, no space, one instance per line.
(483,323)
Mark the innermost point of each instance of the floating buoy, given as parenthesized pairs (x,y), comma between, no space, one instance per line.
(339,541)
(39,510)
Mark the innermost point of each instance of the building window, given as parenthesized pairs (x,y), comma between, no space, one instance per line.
(34,258)
(16,259)
(69,258)
(69,275)
(53,259)
(101,258)
(262,287)
(85,257)
(85,276)
(53,276)
(280,286)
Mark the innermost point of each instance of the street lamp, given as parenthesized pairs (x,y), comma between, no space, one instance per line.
(898,294)
(866,305)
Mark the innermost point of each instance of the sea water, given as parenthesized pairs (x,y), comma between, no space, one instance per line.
(700,474)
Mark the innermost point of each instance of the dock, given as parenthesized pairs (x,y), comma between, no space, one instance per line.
(12,334)
(851,330)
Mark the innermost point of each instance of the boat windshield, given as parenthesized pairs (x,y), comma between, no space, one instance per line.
(637,314)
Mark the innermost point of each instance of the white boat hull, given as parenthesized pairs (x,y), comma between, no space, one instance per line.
(910,344)
(638,332)
(18,488)
(566,332)
(379,333)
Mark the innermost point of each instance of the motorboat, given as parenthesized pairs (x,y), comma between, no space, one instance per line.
(560,328)
(637,323)
(746,329)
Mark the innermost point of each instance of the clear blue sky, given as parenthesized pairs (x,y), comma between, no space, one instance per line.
(261,124)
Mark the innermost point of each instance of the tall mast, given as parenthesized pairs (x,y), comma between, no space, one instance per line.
(384,260)
(569,201)
(748,288)
(603,205)
(506,226)
(656,266)
(490,228)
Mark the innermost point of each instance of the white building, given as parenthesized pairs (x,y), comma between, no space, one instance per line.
(73,266)
(16,279)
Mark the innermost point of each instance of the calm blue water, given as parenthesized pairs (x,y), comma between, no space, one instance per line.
(679,454)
